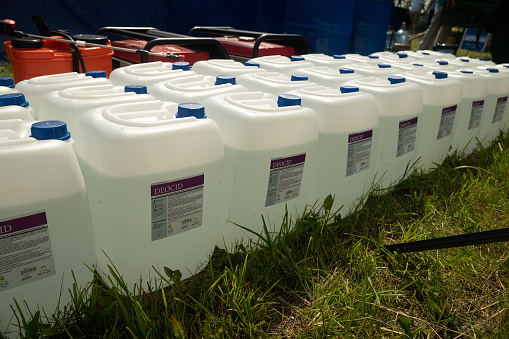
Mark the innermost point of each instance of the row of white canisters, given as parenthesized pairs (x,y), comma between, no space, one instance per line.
(272,153)
(154,175)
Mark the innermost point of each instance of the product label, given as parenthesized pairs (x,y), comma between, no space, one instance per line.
(446,122)
(25,250)
(475,114)
(285,179)
(499,110)
(359,152)
(177,206)
(406,137)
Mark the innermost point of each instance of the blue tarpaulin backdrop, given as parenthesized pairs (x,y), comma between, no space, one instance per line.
(86,16)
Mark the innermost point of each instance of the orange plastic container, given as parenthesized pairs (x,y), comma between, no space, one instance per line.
(35,57)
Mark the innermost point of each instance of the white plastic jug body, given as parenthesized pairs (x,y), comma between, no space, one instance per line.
(379,70)
(327,76)
(270,155)
(155,188)
(195,88)
(70,103)
(495,106)
(280,64)
(400,111)
(271,82)
(348,144)
(45,218)
(34,89)
(475,91)
(147,74)
(319,59)
(441,99)
(215,67)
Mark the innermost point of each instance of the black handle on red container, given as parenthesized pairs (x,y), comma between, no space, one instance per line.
(298,42)
(157,37)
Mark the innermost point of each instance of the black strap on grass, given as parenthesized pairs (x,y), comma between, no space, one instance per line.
(477,238)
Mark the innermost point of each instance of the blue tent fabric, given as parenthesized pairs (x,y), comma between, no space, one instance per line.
(80,16)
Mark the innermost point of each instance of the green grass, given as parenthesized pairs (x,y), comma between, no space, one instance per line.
(325,276)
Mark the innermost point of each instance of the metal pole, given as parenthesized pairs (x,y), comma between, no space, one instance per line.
(477,238)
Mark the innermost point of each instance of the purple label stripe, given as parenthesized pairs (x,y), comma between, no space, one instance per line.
(289,161)
(360,136)
(448,110)
(407,123)
(504,99)
(177,185)
(479,103)
(23,223)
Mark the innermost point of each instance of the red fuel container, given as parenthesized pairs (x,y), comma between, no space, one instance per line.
(31,57)
(184,54)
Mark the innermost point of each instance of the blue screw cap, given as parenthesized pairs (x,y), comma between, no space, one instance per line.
(225,79)
(346,71)
(297,58)
(288,100)
(252,63)
(467,72)
(338,56)
(384,66)
(50,130)
(482,59)
(416,64)
(442,62)
(191,109)
(349,89)
(298,77)
(183,65)
(425,53)
(465,60)
(96,74)
(13,99)
(138,89)
(402,55)
(373,57)
(440,75)
(395,79)
(493,70)
(6,82)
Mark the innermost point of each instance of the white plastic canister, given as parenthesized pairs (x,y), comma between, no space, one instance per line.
(281,64)
(474,62)
(150,73)
(442,65)
(441,97)
(195,88)
(327,76)
(35,88)
(379,70)
(273,82)
(495,106)
(154,177)
(217,67)
(70,103)
(15,106)
(348,125)
(319,59)
(470,112)
(45,225)
(270,154)
(21,128)
(435,55)
(400,112)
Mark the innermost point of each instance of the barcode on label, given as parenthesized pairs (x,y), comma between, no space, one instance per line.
(28,270)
